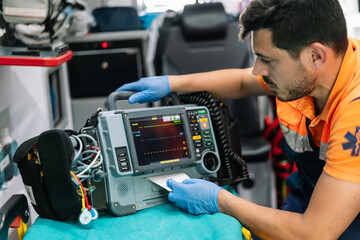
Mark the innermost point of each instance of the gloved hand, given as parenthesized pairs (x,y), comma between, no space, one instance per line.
(195,196)
(150,89)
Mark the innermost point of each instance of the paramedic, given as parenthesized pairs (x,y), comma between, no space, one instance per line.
(306,60)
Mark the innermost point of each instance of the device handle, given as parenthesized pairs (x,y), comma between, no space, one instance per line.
(116,96)
(16,206)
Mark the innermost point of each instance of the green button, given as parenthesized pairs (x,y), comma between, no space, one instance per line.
(203,111)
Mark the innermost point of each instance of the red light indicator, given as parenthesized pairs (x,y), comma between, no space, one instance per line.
(104,44)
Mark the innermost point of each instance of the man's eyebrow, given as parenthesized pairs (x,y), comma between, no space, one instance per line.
(261,55)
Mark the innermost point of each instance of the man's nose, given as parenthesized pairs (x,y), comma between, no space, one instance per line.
(260,68)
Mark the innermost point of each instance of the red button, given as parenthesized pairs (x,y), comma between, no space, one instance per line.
(204,125)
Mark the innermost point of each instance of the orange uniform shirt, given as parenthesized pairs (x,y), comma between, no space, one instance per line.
(336,131)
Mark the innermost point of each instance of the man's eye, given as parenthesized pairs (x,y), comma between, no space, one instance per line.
(265,61)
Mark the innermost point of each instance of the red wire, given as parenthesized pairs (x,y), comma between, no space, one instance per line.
(86,199)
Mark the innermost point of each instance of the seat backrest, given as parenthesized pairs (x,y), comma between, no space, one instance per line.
(202,39)
(205,38)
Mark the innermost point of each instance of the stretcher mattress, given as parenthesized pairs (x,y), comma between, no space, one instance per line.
(161,222)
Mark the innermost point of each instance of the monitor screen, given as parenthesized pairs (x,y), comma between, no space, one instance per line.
(96,73)
(159,139)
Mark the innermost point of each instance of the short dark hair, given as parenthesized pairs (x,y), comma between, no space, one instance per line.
(297,23)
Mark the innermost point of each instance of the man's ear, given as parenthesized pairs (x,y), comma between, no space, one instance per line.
(318,54)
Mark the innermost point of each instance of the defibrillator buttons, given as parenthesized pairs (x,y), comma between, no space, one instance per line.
(200,130)
(122,159)
(197,137)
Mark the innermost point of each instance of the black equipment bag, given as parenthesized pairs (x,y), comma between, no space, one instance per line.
(44,163)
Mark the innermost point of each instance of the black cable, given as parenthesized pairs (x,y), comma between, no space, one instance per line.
(205,99)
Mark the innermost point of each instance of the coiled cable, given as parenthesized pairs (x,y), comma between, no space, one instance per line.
(206,99)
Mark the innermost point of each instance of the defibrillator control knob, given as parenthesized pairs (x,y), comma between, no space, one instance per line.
(210,161)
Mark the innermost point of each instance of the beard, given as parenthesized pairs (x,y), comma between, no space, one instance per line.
(302,84)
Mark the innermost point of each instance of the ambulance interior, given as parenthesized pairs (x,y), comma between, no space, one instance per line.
(59,64)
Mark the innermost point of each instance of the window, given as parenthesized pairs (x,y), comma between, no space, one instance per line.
(163,5)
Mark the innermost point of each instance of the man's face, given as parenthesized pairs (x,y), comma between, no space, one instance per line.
(286,77)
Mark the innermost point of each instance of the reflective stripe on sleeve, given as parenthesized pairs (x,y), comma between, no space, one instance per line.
(296,142)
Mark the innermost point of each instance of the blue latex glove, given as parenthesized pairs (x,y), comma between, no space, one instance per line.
(150,89)
(195,196)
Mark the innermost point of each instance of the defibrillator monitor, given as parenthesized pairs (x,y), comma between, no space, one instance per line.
(140,143)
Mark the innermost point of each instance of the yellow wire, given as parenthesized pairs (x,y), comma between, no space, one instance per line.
(21,229)
(246,234)
(82,193)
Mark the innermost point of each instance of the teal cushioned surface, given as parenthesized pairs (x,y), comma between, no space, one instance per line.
(161,222)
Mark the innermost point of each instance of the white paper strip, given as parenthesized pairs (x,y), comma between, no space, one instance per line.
(161,180)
